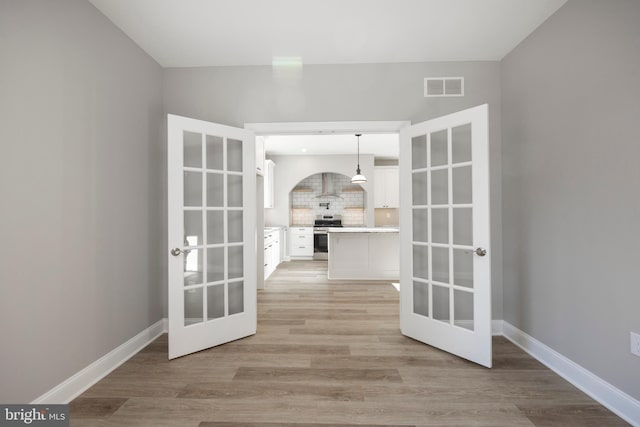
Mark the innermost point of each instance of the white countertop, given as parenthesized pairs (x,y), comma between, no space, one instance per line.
(364,230)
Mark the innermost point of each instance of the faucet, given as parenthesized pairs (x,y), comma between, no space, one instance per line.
(324,205)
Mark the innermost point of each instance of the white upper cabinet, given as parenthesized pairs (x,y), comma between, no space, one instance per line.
(386,187)
(269,183)
(260,155)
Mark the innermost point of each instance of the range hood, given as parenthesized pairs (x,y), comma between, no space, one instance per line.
(328,188)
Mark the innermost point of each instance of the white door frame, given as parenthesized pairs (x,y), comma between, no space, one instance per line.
(310,128)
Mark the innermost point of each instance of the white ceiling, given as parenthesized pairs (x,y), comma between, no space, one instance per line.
(191,33)
(380,145)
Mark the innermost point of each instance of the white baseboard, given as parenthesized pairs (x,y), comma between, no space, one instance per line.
(82,380)
(617,401)
(496,327)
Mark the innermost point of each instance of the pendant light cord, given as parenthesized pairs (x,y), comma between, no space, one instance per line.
(358,169)
(358,178)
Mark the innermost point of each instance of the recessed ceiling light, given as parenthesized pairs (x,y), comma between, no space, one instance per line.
(304,150)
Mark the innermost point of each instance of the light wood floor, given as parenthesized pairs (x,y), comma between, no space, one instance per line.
(332,354)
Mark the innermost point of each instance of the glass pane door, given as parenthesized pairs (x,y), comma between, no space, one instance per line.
(212,214)
(445,288)
(213,275)
(441,209)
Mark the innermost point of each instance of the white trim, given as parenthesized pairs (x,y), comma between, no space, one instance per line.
(617,401)
(496,328)
(293,128)
(75,385)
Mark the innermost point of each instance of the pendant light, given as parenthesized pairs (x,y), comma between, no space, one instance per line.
(358,178)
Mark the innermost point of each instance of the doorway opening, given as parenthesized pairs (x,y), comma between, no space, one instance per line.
(445,296)
(301,150)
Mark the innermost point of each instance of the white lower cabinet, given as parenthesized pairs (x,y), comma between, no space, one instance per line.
(275,252)
(300,242)
(272,250)
(384,258)
(350,252)
(283,244)
(268,261)
(365,256)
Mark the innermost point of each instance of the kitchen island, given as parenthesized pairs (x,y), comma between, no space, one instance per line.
(361,253)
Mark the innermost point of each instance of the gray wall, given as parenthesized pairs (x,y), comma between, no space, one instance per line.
(571,146)
(80,192)
(238,95)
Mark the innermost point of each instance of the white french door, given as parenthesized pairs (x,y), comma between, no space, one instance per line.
(212,234)
(445,285)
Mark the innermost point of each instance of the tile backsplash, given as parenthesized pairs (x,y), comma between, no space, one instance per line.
(305,204)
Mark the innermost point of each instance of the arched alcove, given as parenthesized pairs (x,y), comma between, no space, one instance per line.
(307,200)
(290,170)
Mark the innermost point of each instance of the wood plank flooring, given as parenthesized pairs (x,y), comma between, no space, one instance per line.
(330,353)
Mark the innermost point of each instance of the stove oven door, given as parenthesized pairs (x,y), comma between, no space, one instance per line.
(320,245)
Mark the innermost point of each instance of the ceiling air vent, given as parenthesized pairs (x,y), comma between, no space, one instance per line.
(443,86)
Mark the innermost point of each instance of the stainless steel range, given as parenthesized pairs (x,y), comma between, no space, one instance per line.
(321,227)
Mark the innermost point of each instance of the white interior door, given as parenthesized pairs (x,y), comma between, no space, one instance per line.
(212,234)
(445,286)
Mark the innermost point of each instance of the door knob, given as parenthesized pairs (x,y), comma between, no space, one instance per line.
(178,251)
(480,252)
